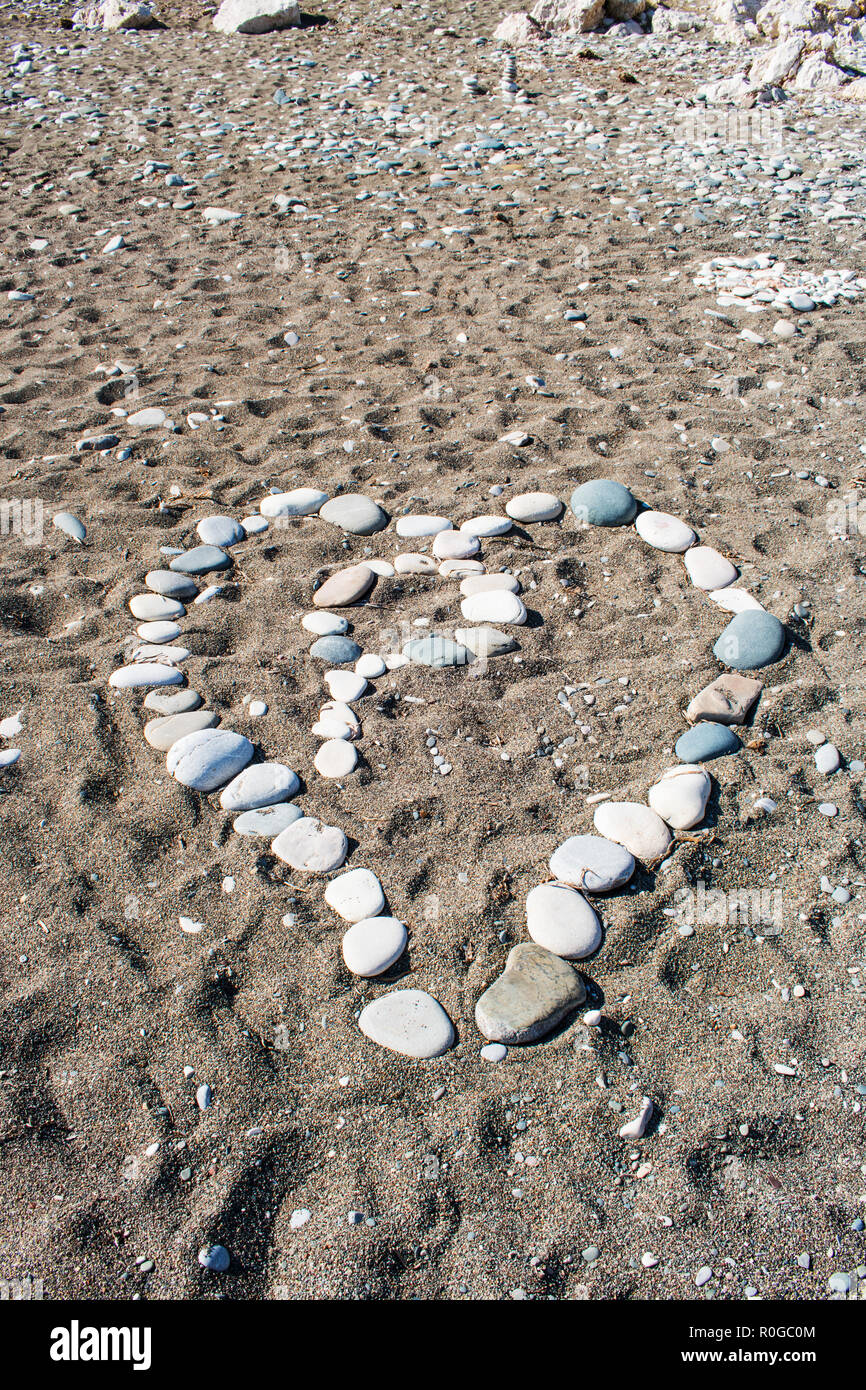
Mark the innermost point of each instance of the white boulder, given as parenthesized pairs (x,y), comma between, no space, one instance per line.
(256,16)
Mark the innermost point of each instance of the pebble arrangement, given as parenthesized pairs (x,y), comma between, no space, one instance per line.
(539,987)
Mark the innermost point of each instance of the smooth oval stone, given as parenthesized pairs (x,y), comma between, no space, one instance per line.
(664,532)
(158,632)
(705,741)
(208,759)
(681,796)
(332,728)
(145,673)
(728,700)
(337,651)
(562,921)
(254,525)
(301,501)
(593,863)
(437,652)
(528,507)
(603,502)
(178,702)
(485,583)
(828,759)
(263,784)
(751,640)
(9,757)
(162,733)
(411,563)
(455,545)
(158,651)
(269,821)
(636,827)
(221,531)
(409,1022)
(451,569)
(486,526)
(70,526)
(336,758)
(532,995)
(345,587)
(338,709)
(485,641)
(355,894)
(707,569)
(370,666)
(734,600)
(171,585)
(345,685)
(412,526)
(310,845)
(383,568)
(201,560)
(495,606)
(355,513)
(325,624)
(373,945)
(152,608)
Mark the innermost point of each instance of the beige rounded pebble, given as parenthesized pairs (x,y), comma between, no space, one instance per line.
(345,587)
(455,545)
(336,758)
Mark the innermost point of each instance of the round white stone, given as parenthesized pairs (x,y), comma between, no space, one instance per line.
(409,1022)
(412,563)
(638,828)
(494,1052)
(681,796)
(486,526)
(338,709)
(254,525)
(370,666)
(383,568)
(496,606)
(413,526)
(336,758)
(142,673)
(592,863)
(345,685)
(158,632)
(355,894)
(733,600)
(268,821)
(301,501)
(485,583)
(373,945)
(708,569)
(158,651)
(328,727)
(562,921)
(208,759)
(534,506)
(827,759)
(263,784)
(455,545)
(311,846)
(325,624)
(152,608)
(451,569)
(665,532)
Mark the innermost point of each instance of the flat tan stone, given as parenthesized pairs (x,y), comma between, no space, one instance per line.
(726,700)
(345,587)
(535,991)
